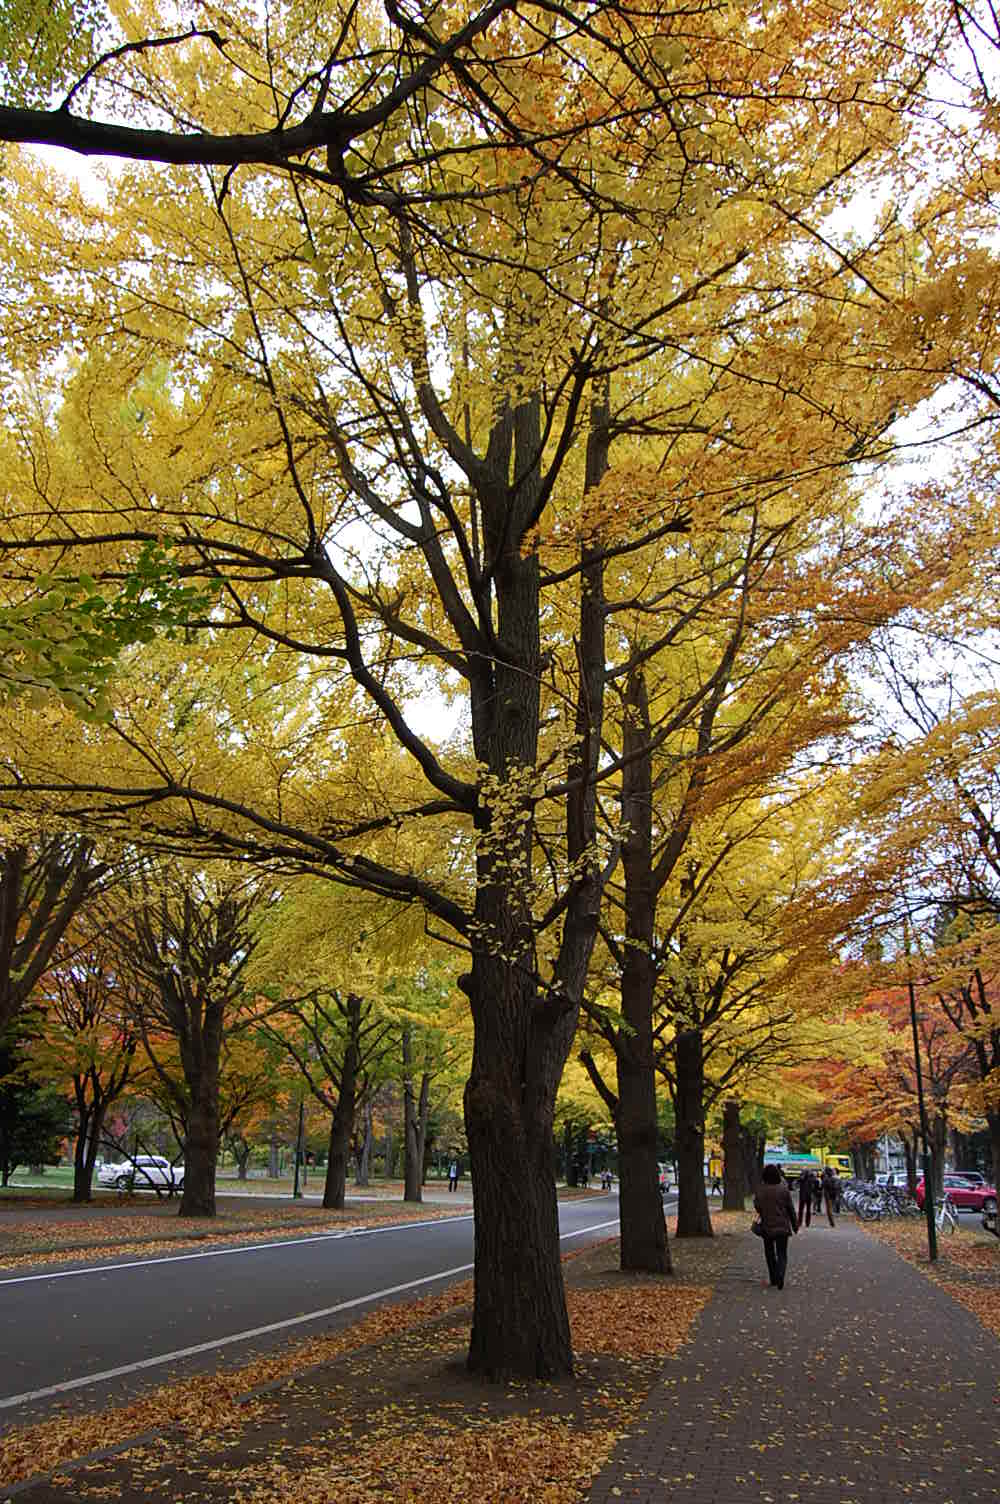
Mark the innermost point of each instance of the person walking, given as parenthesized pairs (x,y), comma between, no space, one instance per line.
(779,1222)
(807,1190)
(829,1186)
(453,1175)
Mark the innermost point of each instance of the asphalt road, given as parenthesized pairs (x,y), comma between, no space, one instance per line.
(94,1334)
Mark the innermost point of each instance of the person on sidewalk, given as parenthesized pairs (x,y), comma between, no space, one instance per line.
(779,1221)
(807,1190)
(829,1182)
(453,1176)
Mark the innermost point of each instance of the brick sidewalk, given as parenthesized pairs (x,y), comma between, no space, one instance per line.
(860,1383)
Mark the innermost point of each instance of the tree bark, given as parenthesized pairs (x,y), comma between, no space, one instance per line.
(693,1219)
(363,1154)
(643,1225)
(415,1110)
(91,1123)
(520,1325)
(342,1119)
(201,1147)
(734,1176)
(993,1123)
(753,1155)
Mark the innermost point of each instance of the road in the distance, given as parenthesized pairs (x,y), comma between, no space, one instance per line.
(66,1331)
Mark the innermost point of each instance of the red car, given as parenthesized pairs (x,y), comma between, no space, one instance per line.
(973,1198)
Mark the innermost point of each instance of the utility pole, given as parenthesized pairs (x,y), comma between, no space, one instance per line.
(932,1248)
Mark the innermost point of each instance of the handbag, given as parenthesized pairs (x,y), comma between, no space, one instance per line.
(757,1227)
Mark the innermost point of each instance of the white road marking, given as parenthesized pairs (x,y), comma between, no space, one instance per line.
(204,1347)
(218,1253)
(9,1401)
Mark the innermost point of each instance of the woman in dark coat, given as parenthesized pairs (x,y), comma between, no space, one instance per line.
(778,1221)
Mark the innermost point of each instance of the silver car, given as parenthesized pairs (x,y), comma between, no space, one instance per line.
(147,1172)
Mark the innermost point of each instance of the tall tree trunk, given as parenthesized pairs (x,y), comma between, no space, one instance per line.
(85,1133)
(85,1151)
(734,1176)
(363,1156)
(993,1123)
(415,1111)
(520,1325)
(643,1225)
(693,1220)
(938,1140)
(342,1120)
(522,1032)
(201,1149)
(754,1141)
(201,1052)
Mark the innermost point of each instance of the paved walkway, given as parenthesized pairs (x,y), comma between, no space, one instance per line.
(860,1383)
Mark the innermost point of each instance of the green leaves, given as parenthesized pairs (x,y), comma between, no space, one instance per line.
(67,637)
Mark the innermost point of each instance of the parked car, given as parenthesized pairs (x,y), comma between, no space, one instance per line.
(975,1198)
(145,1173)
(972,1176)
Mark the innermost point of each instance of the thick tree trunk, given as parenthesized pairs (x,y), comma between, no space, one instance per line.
(993,1123)
(938,1140)
(754,1141)
(342,1121)
(201,1148)
(693,1220)
(363,1155)
(415,1110)
(84,1135)
(734,1176)
(520,1325)
(85,1152)
(523,1033)
(643,1225)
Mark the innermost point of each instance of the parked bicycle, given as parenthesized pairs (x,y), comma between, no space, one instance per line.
(946,1219)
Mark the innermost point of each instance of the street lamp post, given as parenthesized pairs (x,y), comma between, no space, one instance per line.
(932,1249)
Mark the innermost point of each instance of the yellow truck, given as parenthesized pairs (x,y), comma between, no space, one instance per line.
(794,1165)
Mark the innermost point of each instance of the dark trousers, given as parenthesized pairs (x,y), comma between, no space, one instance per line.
(776,1253)
(805,1209)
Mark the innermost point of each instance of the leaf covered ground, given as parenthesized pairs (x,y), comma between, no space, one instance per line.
(135,1228)
(384,1410)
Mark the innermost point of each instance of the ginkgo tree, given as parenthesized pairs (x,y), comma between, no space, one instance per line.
(398,444)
